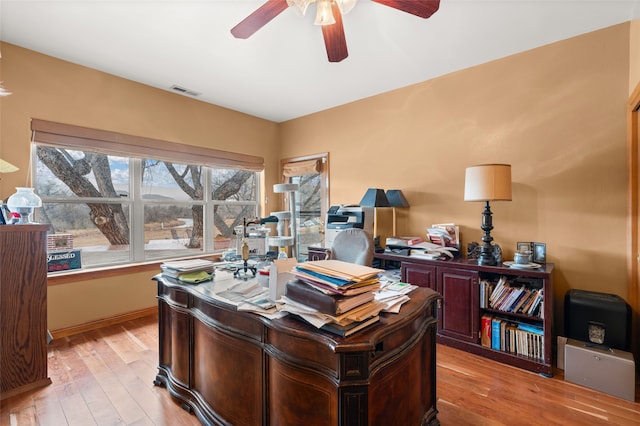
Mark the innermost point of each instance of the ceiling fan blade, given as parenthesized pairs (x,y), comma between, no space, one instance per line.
(421,8)
(334,40)
(259,18)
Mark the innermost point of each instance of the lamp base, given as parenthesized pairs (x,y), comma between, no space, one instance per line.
(486,249)
(487,259)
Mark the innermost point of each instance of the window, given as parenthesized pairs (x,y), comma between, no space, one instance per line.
(120,208)
(311,173)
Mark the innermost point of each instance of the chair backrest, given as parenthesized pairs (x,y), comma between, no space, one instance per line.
(353,245)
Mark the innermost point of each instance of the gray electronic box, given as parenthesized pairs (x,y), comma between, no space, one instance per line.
(606,370)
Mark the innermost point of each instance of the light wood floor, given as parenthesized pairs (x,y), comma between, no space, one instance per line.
(104,377)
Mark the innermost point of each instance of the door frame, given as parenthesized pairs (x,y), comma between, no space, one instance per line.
(633,148)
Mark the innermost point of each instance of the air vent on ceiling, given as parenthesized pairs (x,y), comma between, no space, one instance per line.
(184,91)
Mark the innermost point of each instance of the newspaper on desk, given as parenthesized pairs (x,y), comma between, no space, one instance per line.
(394,295)
(250,296)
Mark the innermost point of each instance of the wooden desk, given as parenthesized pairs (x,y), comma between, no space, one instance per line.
(237,368)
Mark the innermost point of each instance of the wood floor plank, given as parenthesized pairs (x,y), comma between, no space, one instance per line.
(105,365)
(105,377)
(469,386)
(76,410)
(49,411)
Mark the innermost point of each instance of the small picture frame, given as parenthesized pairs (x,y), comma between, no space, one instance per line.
(539,253)
(3,219)
(523,247)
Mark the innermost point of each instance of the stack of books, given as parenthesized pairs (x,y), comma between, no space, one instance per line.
(191,271)
(444,234)
(512,336)
(334,296)
(512,297)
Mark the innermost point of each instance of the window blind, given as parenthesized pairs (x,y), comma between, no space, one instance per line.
(106,142)
(301,168)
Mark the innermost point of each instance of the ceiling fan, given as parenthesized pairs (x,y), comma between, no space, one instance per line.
(329,16)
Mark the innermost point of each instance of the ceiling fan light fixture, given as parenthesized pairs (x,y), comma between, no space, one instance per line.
(346,5)
(324,15)
(300,5)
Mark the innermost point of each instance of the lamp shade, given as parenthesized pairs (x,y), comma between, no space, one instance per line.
(396,198)
(488,182)
(6,167)
(374,197)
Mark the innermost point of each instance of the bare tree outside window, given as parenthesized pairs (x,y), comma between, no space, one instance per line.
(84,190)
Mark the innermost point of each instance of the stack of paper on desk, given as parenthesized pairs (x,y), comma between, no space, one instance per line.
(191,270)
(337,273)
(334,295)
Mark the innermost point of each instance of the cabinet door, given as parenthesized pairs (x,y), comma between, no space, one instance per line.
(459,316)
(420,275)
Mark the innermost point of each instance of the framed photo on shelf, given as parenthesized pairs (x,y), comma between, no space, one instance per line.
(522,247)
(539,253)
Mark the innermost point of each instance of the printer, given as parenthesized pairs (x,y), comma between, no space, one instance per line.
(344,217)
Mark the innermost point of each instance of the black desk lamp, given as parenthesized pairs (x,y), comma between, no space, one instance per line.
(396,199)
(487,182)
(375,197)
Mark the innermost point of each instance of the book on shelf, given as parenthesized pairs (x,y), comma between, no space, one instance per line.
(510,304)
(486,288)
(516,297)
(514,337)
(497,291)
(536,304)
(521,301)
(485,333)
(444,234)
(504,342)
(495,333)
(503,296)
(302,292)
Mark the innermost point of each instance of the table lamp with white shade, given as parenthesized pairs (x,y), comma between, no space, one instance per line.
(487,182)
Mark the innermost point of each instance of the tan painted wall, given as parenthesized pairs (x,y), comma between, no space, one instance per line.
(556,113)
(634,55)
(50,89)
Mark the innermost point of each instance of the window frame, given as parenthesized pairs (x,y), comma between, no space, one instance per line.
(136,149)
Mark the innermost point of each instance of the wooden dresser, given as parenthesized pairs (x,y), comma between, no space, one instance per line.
(232,367)
(23,308)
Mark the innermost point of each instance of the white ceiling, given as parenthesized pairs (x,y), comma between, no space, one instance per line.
(282,72)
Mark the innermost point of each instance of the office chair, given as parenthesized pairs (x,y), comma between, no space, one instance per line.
(353,245)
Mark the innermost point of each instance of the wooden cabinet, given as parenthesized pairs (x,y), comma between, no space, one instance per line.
(460,315)
(459,318)
(420,275)
(232,367)
(23,308)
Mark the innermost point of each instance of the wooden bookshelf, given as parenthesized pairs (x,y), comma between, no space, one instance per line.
(460,314)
